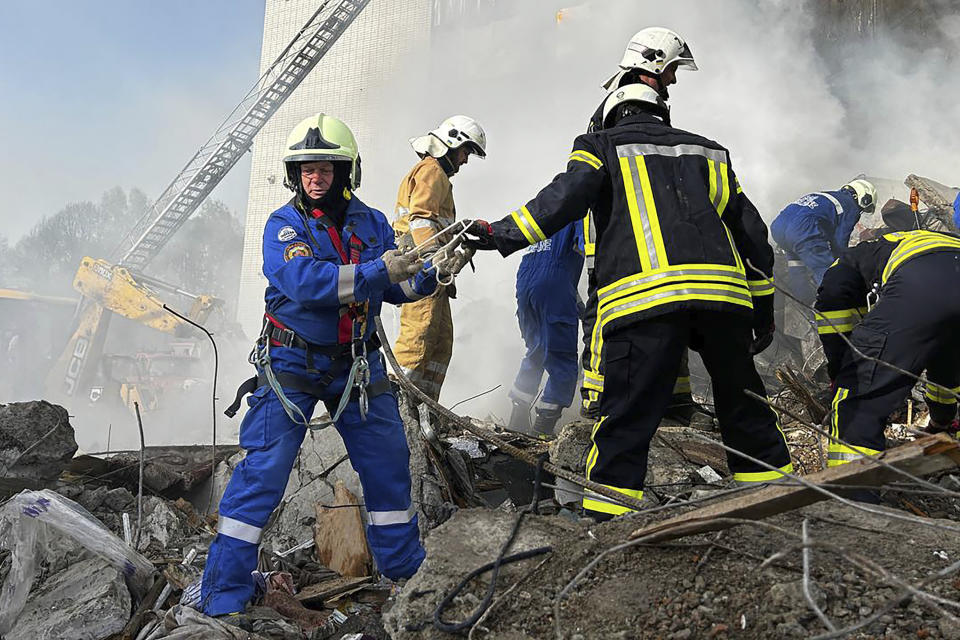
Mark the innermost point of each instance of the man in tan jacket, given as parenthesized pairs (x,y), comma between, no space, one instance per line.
(424,208)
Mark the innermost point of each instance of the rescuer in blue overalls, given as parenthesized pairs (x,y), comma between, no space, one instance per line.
(330,262)
(547,309)
(814,230)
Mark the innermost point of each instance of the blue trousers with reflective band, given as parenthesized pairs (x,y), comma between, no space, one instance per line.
(377,447)
(548,318)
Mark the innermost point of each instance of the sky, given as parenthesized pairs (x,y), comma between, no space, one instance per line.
(116,93)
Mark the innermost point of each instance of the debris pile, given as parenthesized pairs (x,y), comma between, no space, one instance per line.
(704,559)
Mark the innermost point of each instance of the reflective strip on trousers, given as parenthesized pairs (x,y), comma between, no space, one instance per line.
(386,518)
(748,477)
(549,406)
(239,530)
(408,290)
(346,280)
(795,263)
(521,396)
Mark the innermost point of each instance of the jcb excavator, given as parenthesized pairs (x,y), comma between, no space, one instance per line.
(120,286)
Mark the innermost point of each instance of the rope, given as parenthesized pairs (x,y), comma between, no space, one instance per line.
(503,445)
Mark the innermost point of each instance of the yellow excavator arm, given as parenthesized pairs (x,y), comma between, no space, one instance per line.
(109,288)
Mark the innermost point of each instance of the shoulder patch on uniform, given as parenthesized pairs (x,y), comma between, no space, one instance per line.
(286,233)
(296,249)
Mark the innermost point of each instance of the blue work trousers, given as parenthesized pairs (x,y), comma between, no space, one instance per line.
(548,318)
(378,452)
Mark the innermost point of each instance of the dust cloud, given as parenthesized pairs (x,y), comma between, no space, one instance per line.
(798,112)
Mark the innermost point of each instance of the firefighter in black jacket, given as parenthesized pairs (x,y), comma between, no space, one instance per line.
(673,233)
(912,281)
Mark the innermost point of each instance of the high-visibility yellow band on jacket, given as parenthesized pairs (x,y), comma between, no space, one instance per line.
(839,321)
(763,287)
(585,156)
(527,225)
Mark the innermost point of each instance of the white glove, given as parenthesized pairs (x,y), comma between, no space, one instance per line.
(400,265)
(455,263)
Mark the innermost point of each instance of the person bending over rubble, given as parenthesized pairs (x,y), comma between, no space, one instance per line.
(814,230)
(911,279)
(673,232)
(330,262)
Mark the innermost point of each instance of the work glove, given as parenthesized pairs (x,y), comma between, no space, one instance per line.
(763,324)
(479,236)
(400,265)
(455,263)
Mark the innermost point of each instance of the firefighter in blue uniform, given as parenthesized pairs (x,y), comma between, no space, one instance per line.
(674,234)
(547,309)
(815,229)
(330,262)
(897,298)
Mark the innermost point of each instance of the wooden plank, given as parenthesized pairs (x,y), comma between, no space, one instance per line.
(341,543)
(322,591)
(921,457)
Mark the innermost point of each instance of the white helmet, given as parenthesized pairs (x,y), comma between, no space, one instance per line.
(632,93)
(452,133)
(864,193)
(652,50)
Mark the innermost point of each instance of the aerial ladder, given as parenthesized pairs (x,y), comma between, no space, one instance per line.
(119,285)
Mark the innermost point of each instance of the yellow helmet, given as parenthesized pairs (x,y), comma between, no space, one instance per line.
(321,137)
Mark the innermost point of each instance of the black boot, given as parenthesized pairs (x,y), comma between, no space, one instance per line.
(545,422)
(520,416)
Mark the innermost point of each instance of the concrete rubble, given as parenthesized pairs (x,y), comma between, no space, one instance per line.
(742,582)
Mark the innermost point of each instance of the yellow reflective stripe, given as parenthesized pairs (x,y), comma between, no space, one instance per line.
(914,243)
(643,251)
(589,246)
(712,182)
(939,394)
(839,397)
(651,207)
(523,228)
(736,181)
(838,454)
(596,502)
(682,385)
(676,293)
(673,283)
(532,222)
(686,272)
(592,380)
(763,476)
(763,287)
(839,321)
(725,195)
(586,156)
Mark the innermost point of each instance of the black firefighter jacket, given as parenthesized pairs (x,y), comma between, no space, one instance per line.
(856,279)
(674,230)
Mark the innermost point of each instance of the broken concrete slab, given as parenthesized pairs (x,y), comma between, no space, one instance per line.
(171,471)
(162,527)
(321,462)
(469,539)
(36,444)
(87,601)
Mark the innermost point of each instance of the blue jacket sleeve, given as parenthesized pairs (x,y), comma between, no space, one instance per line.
(412,289)
(290,265)
(846,224)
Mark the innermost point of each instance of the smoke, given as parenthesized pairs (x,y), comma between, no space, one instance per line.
(798,111)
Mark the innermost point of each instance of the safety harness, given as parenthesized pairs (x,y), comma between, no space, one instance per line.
(350,351)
